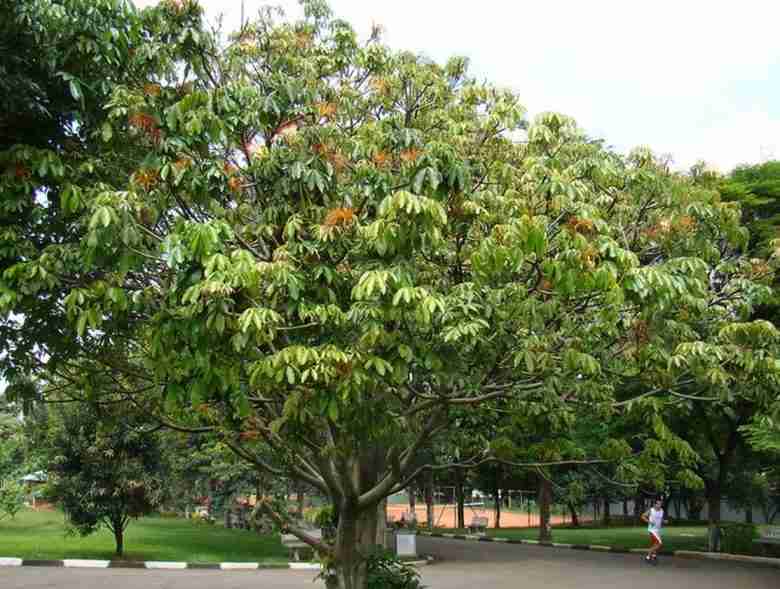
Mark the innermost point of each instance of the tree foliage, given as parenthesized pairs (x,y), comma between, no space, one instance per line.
(321,247)
(757,189)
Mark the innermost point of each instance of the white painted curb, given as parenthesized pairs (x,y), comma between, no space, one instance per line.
(158,564)
(238,566)
(305,566)
(81,563)
(10,562)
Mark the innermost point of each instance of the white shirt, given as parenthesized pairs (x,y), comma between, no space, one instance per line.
(655,519)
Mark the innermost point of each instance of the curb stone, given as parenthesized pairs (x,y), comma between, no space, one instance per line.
(7,561)
(154,565)
(690,554)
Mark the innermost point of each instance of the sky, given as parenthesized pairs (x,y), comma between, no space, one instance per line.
(699,80)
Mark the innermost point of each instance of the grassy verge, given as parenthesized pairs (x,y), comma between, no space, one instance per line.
(41,535)
(675,538)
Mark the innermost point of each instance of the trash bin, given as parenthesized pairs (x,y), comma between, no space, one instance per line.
(405,543)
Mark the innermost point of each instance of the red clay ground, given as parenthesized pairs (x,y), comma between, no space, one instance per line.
(444,516)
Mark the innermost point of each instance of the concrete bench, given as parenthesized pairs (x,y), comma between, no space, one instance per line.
(295,545)
(769,536)
(478,525)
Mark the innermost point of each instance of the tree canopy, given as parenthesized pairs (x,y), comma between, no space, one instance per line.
(324,250)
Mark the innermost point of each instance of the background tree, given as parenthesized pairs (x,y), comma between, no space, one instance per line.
(757,190)
(12,459)
(59,62)
(105,467)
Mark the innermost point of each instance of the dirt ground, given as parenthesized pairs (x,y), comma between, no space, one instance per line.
(444,516)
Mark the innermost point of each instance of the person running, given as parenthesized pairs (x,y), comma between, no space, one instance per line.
(654,517)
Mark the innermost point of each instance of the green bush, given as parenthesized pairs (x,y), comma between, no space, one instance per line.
(737,538)
(387,571)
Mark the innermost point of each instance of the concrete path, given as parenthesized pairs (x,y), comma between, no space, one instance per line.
(462,565)
(488,565)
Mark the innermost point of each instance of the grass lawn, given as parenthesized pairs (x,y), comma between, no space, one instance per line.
(41,535)
(675,538)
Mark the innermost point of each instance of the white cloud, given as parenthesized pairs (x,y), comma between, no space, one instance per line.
(671,74)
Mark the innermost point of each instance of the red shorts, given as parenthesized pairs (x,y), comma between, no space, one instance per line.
(654,539)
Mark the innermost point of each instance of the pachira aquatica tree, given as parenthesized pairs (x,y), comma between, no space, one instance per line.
(319,248)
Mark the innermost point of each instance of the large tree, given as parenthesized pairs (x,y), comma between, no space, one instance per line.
(322,247)
(757,189)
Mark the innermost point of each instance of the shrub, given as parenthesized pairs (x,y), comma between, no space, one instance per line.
(737,538)
(387,571)
(12,497)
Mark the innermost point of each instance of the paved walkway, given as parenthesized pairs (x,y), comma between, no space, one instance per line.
(512,566)
(463,565)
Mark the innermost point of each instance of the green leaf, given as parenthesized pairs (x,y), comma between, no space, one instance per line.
(333,410)
(75,90)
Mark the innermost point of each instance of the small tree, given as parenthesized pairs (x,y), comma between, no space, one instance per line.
(11,456)
(105,468)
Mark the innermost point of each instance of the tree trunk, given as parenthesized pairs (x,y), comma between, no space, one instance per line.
(625,508)
(749,514)
(119,539)
(639,508)
(545,499)
(360,530)
(677,507)
(497,497)
(693,507)
(429,498)
(606,518)
(301,498)
(381,523)
(575,521)
(497,508)
(355,538)
(713,515)
(412,502)
(460,522)
(773,514)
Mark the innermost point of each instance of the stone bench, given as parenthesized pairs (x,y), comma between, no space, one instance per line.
(295,545)
(478,525)
(769,536)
